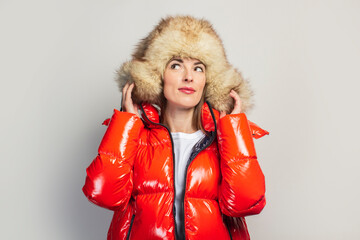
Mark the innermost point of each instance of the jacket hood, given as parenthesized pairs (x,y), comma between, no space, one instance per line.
(209,116)
(183,36)
(209,119)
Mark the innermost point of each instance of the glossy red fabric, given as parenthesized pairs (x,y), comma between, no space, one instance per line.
(133,175)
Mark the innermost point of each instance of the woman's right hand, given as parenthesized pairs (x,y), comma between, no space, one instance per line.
(127,103)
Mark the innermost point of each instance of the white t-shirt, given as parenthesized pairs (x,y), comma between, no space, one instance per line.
(183,144)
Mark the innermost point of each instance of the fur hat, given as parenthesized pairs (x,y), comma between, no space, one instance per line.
(184,36)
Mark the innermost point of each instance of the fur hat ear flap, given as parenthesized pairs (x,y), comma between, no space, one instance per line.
(218,91)
(245,92)
(123,75)
(145,77)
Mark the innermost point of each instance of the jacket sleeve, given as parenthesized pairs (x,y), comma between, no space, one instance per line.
(109,179)
(242,189)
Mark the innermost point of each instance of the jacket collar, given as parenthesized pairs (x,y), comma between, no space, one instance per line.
(209,116)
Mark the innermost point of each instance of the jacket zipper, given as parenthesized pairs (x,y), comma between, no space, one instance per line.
(229,231)
(131,223)
(192,156)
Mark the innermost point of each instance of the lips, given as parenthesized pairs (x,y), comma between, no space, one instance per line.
(187,90)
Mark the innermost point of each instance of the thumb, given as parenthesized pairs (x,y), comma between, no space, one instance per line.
(222,114)
(136,109)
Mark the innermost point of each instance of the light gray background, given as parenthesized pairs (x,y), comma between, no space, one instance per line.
(58,62)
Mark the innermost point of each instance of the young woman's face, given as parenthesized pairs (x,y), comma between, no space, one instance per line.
(184,81)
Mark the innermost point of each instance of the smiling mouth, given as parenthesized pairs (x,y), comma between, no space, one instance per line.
(187,90)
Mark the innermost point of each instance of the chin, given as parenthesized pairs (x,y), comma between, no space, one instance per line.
(183,104)
(181,101)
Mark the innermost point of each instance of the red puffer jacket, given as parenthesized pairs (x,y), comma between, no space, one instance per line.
(133,175)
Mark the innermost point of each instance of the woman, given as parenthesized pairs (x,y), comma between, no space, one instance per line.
(186,170)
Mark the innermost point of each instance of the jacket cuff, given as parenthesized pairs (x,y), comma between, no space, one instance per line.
(121,135)
(235,137)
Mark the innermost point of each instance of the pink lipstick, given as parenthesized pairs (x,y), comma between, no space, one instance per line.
(187,90)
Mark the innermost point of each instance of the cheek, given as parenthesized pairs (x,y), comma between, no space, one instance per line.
(202,83)
(170,82)
(201,87)
(168,89)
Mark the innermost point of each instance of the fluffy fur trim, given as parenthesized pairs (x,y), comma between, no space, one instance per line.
(184,36)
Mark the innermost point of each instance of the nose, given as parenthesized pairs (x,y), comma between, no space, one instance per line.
(188,76)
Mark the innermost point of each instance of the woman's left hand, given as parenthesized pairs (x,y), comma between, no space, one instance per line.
(237,104)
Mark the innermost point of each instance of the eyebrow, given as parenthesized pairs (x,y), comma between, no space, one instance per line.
(197,63)
(177,59)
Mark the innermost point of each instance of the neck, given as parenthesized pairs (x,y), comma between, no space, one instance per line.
(179,120)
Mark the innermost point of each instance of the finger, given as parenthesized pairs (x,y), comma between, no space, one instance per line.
(126,86)
(129,91)
(128,100)
(136,108)
(222,114)
(237,102)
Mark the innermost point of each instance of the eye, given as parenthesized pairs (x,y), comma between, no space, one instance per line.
(199,69)
(175,66)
